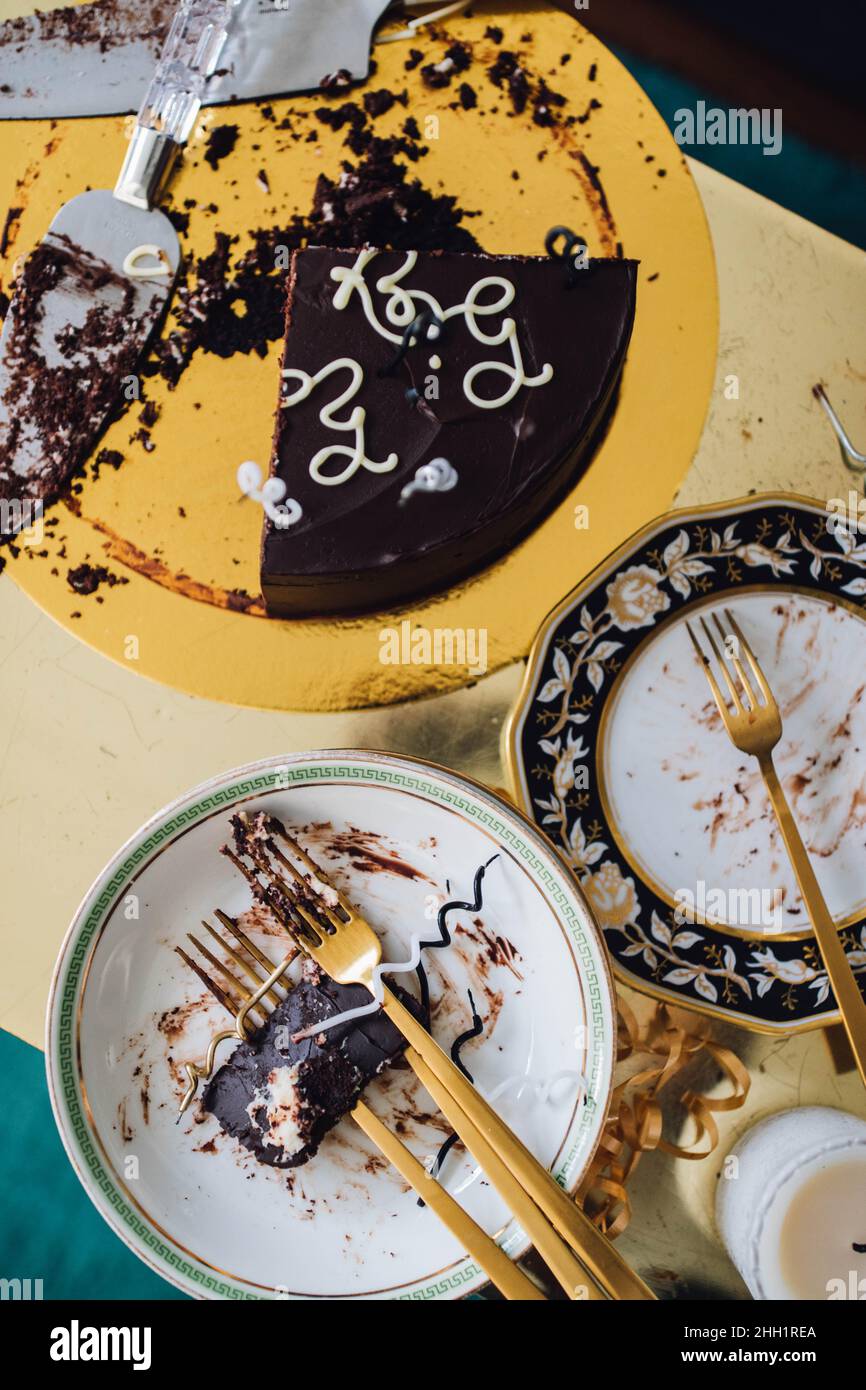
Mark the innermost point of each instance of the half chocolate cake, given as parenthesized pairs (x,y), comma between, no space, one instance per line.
(279,1097)
(414,456)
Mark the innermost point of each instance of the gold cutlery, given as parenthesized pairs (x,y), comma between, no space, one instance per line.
(264,996)
(755,727)
(337,937)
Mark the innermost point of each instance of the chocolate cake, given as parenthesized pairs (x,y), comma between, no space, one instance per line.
(413,457)
(279,1097)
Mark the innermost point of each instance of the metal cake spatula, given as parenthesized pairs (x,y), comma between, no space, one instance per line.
(93,291)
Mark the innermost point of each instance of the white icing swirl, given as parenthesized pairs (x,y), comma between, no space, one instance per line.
(401,310)
(356,453)
(402,307)
(270,496)
(158,267)
(436,476)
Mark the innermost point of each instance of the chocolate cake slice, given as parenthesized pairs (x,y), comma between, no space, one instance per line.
(413,459)
(279,1097)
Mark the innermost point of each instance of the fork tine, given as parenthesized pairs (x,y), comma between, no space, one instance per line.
(283,911)
(313,911)
(241,866)
(216,990)
(708,672)
(218,965)
(300,892)
(767,693)
(310,893)
(239,960)
(301,918)
(308,922)
(735,694)
(223,970)
(737,664)
(249,945)
(308,863)
(254,951)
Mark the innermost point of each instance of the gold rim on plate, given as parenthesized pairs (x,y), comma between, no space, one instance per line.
(770,1020)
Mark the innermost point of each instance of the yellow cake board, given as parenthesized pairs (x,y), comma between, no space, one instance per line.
(130,519)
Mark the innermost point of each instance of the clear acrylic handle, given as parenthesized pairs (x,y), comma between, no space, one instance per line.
(173,99)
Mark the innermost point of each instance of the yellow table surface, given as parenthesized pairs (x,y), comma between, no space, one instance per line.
(88,750)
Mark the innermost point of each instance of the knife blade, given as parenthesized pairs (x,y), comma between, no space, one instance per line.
(95,59)
(90,295)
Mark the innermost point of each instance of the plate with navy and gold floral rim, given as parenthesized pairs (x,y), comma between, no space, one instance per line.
(616,749)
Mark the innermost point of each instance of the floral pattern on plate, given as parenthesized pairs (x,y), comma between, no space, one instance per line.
(770,546)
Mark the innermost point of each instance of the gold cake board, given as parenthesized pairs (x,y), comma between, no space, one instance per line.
(171,521)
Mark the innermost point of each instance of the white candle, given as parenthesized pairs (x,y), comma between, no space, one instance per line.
(791,1205)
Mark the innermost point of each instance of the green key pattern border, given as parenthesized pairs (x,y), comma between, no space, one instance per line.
(280,778)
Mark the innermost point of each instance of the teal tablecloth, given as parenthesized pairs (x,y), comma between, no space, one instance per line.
(49,1228)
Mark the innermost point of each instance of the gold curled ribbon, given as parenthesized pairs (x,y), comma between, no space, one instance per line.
(243,1026)
(635,1123)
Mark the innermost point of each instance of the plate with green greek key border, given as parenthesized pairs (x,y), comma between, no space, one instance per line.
(618,750)
(402,839)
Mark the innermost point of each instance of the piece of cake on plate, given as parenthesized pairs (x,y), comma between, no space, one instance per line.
(279,1094)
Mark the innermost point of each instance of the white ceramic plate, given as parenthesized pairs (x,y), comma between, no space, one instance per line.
(400,837)
(619,752)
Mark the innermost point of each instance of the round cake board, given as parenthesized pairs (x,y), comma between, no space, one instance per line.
(170,521)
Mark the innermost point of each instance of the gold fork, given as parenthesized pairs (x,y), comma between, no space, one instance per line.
(260,971)
(755,728)
(329,929)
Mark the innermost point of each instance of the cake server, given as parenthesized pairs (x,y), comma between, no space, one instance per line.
(95,60)
(330,930)
(755,726)
(87,301)
(264,978)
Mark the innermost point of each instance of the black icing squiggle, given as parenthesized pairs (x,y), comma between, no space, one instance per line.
(424,328)
(444,939)
(459,1043)
(474,1032)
